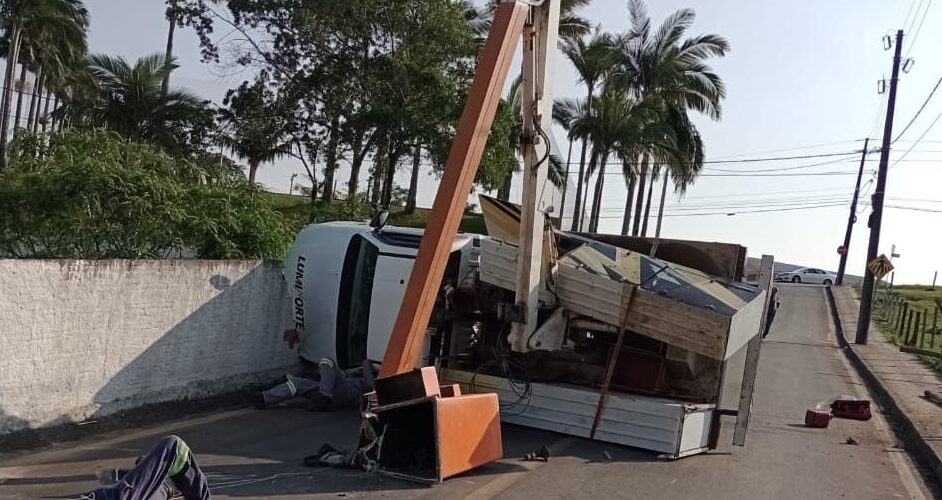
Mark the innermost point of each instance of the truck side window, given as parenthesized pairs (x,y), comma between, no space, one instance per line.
(353,308)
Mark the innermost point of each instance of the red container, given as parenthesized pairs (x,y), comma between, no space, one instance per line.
(854,409)
(817,418)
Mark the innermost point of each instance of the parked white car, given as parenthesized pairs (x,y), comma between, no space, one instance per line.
(806,275)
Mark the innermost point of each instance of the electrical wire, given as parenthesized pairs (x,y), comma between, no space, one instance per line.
(917,209)
(808,174)
(778,169)
(912,41)
(758,205)
(752,203)
(765,193)
(739,212)
(908,12)
(921,108)
(912,22)
(785,150)
(911,147)
(511,368)
(876,120)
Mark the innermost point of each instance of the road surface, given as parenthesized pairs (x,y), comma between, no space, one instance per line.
(255,454)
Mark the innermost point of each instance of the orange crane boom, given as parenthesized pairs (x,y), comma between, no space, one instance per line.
(405,343)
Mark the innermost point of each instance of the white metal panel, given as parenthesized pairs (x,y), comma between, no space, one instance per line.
(695,434)
(650,423)
(389,286)
(312,271)
(745,325)
(499,263)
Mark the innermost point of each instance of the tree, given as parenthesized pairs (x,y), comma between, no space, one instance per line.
(254,127)
(60,23)
(662,62)
(591,60)
(92,194)
(613,122)
(129,101)
(571,24)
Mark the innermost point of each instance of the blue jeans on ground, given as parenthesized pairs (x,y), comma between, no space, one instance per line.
(171,458)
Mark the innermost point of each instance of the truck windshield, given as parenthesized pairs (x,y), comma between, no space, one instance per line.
(353,308)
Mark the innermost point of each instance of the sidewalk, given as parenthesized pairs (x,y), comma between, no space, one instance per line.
(903,377)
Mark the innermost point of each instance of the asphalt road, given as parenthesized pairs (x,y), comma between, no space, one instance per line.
(255,454)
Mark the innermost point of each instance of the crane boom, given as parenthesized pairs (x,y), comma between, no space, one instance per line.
(471,135)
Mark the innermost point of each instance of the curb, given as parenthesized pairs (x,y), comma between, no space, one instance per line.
(929,463)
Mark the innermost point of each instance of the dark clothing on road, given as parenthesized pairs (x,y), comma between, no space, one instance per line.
(334,385)
(170,459)
(770,314)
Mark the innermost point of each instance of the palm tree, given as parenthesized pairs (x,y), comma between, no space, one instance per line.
(630,174)
(59,26)
(571,24)
(129,101)
(252,129)
(592,61)
(614,122)
(686,158)
(663,63)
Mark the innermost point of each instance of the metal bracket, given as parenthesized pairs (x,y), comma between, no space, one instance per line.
(514,313)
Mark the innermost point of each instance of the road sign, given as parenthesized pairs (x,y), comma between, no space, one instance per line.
(880,267)
(841,250)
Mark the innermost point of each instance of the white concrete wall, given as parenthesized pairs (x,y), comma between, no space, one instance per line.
(80,339)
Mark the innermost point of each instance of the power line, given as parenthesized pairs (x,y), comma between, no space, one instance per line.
(924,103)
(749,160)
(747,204)
(739,212)
(876,119)
(780,169)
(912,41)
(910,11)
(782,158)
(785,150)
(808,174)
(917,140)
(765,193)
(917,209)
(762,205)
(748,174)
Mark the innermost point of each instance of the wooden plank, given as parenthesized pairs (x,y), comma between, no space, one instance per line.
(613,360)
(716,259)
(471,135)
(694,328)
(766,271)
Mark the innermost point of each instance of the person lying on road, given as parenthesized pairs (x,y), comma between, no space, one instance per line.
(167,469)
(328,387)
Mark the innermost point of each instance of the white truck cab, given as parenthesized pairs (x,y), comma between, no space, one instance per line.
(347,281)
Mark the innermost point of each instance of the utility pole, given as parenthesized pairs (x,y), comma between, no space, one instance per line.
(853,217)
(876,218)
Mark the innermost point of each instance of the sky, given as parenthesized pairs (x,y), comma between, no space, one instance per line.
(802,79)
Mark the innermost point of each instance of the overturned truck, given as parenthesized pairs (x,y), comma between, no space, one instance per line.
(628,348)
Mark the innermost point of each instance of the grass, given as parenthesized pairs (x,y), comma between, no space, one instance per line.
(299,212)
(918,298)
